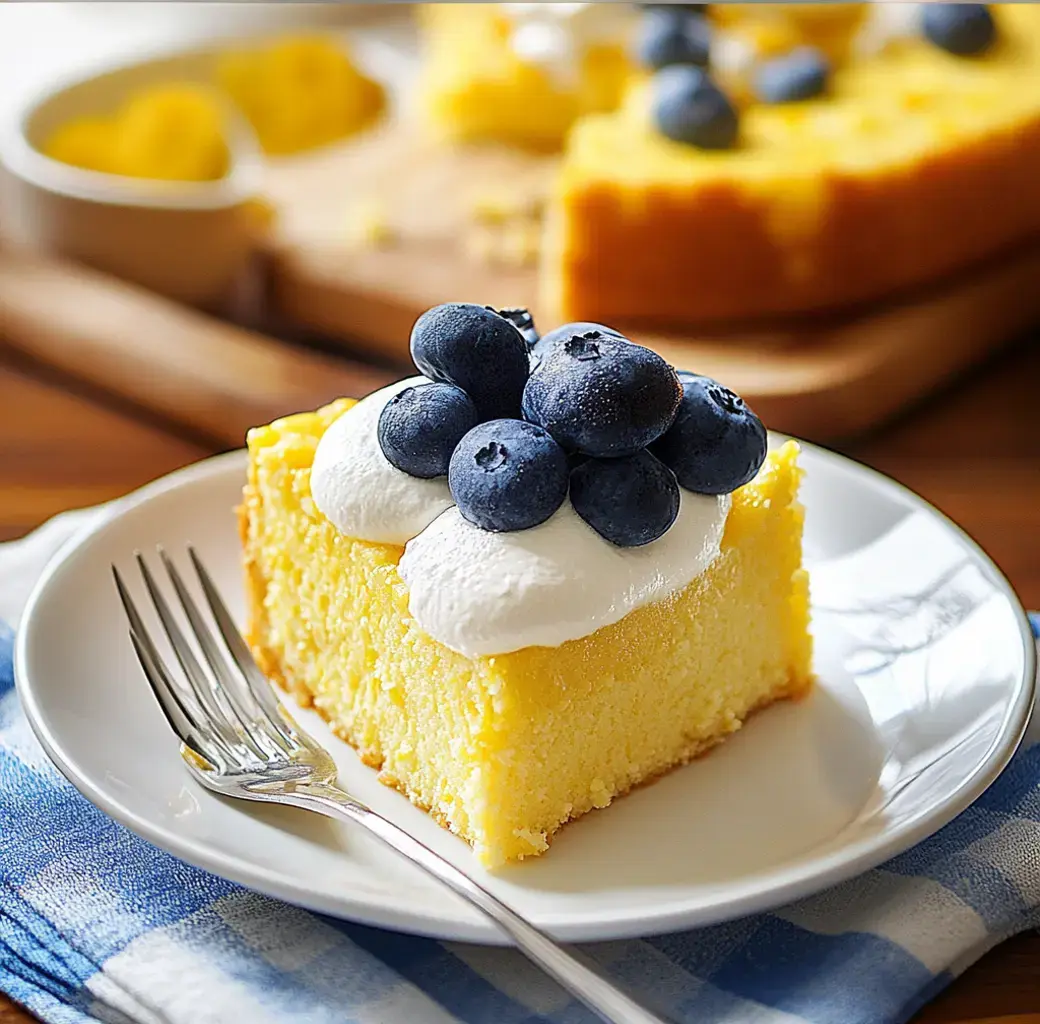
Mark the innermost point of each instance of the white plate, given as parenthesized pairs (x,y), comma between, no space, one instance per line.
(926,683)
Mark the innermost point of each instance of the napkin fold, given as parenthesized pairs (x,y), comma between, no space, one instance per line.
(98,925)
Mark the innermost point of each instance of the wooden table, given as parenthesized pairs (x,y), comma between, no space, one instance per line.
(974,452)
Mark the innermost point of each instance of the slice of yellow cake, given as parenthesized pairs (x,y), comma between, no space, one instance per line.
(503,750)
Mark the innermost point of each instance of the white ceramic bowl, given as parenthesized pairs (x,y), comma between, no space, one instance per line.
(186,240)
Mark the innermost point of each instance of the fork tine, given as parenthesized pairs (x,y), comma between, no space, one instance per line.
(165,696)
(233,689)
(136,623)
(221,719)
(257,682)
(177,714)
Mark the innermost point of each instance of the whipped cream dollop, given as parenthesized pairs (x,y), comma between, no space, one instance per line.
(483,593)
(731,55)
(884,24)
(556,35)
(359,491)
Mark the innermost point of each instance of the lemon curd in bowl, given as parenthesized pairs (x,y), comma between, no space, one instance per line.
(169,123)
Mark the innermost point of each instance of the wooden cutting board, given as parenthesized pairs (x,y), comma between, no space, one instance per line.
(202,374)
(820,378)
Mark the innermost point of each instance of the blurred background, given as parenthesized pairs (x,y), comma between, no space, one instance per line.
(42,40)
(214,214)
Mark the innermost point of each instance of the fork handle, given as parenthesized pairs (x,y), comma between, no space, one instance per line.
(581,980)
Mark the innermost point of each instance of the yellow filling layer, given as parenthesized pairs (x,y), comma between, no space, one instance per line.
(298,92)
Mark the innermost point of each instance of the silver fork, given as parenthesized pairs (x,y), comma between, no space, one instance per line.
(238,740)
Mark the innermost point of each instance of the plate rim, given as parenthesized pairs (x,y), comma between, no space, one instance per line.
(759,892)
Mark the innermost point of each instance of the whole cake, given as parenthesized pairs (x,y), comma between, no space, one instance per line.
(540,574)
(762,159)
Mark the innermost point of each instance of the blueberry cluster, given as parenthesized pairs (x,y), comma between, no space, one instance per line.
(674,41)
(517,422)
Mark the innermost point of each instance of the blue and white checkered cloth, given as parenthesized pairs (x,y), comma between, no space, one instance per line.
(97,925)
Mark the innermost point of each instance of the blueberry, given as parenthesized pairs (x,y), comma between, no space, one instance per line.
(475,349)
(602,395)
(420,427)
(629,501)
(508,475)
(576,459)
(672,35)
(522,320)
(716,443)
(565,331)
(963,29)
(689,107)
(798,75)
